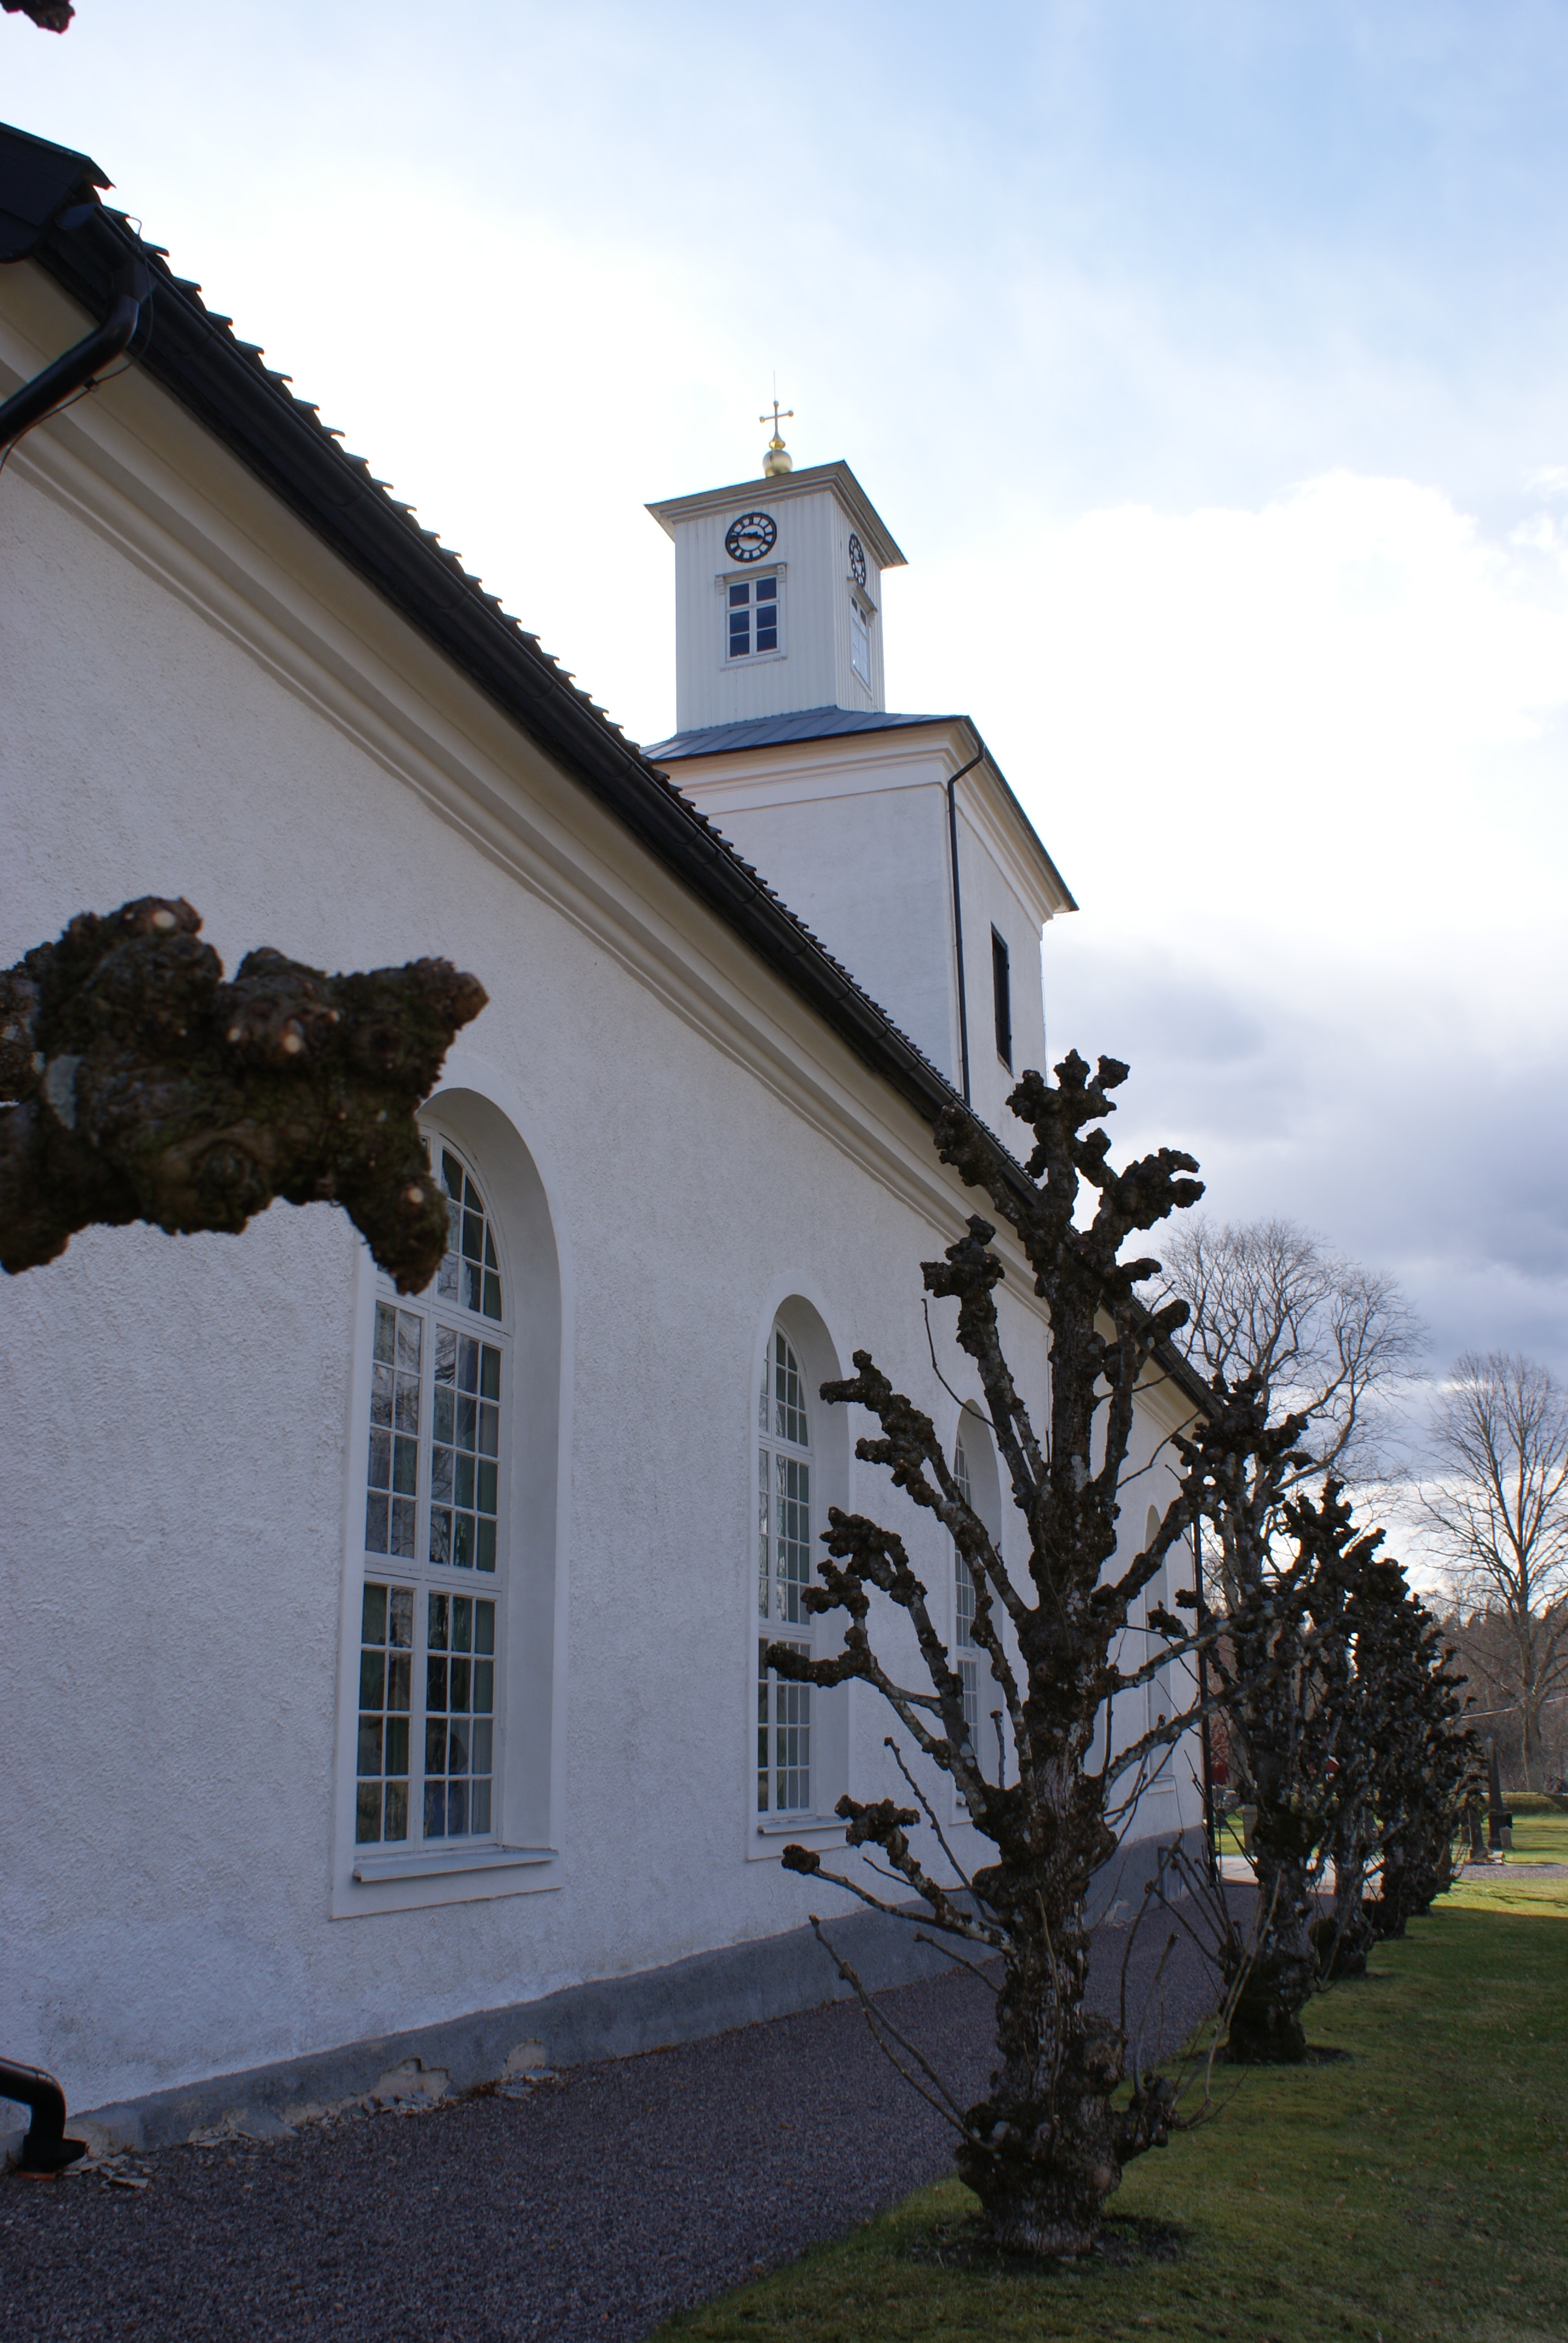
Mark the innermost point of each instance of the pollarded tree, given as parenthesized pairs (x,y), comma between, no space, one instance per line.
(1285,1678)
(143,1087)
(1315,1341)
(1426,1760)
(1046,2148)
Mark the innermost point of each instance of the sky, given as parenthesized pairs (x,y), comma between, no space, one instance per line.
(1208,360)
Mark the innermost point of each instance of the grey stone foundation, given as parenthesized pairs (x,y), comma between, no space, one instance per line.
(610,2017)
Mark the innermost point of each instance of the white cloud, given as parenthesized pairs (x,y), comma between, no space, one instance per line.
(1302,767)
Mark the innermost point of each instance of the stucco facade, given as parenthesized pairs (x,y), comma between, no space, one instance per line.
(202,698)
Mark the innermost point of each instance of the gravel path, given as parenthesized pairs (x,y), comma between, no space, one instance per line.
(590,2207)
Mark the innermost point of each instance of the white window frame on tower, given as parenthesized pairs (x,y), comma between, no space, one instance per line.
(433,1595)
(862,617)
(742,597)
(784,1758)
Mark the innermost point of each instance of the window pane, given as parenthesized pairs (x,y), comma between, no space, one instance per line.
(380,1805)
(436,1426)
(789,1394)
(470,1273)
(465,1491)
(458,1750)
(784,1742)
(738,595)
(768,589)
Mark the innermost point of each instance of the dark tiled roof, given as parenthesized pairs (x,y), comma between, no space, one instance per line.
(803,724)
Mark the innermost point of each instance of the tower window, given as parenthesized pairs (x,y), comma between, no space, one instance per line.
(1001,987)
(754,613)
(859,640)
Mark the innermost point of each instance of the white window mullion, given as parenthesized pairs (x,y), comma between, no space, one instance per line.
(784,1568)
(447,1358)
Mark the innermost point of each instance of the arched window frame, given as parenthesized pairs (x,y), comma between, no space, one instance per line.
(784,1533)
(830,1711)
(434,1585)
(498,1132)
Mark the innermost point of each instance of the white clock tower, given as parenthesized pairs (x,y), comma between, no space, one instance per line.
(895,838)
(778,596)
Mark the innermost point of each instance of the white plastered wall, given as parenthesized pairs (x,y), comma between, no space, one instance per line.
(199,703)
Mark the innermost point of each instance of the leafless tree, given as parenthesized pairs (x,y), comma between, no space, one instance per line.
(1317,1341)
(143,1087)
(1046,2148)
(1324,1337)
(1496,1509)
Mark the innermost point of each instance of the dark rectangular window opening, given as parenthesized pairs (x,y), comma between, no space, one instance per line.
(1001,986)
(752,608)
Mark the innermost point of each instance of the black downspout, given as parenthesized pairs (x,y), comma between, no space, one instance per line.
(45,2147)
(82,361)
(958,924)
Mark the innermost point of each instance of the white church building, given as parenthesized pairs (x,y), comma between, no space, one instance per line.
(379,1677)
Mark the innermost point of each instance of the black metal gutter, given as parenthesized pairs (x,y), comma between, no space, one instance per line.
(45,2147)
(75,370)
(195,357)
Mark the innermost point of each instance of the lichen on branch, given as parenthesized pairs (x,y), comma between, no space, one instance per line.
(144,1086)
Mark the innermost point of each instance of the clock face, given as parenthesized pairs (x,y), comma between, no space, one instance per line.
(751,536)
(857,561)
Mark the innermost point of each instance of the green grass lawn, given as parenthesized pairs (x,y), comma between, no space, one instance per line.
(1537,1838)
(1418,2188)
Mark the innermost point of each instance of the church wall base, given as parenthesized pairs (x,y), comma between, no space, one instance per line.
(612,2018)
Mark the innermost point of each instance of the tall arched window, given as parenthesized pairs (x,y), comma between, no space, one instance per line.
(434,1539)
(784,1570)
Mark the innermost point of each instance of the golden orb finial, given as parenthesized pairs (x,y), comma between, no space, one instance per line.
(778,460)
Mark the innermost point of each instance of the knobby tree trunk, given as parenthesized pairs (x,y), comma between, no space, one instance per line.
(143,1087)
(1046,2147)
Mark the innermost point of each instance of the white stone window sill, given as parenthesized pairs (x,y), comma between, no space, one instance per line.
(795,1824)
(438,1862)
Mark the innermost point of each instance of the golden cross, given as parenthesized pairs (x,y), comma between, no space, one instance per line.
(789,411)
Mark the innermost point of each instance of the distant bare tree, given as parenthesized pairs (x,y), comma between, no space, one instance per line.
(1497,1511)
(1323,1336)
